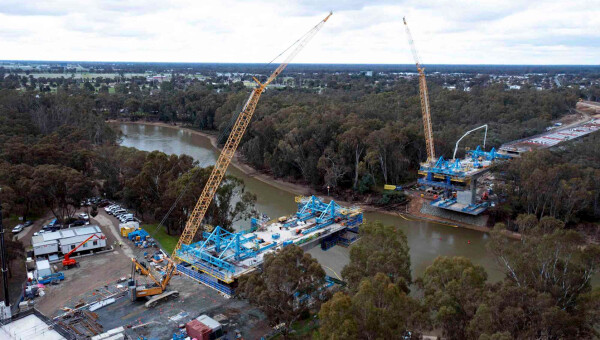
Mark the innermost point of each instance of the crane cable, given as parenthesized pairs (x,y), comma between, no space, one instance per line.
(225,131)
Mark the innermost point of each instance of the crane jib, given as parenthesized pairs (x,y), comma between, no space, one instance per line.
(237,132)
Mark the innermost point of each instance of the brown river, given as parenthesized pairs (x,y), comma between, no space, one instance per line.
(427,240)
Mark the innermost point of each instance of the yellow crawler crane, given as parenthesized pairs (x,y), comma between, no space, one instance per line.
(154,291)
(237,132)
(425,111)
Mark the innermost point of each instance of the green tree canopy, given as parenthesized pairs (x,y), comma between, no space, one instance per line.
(381,249)
(289,276)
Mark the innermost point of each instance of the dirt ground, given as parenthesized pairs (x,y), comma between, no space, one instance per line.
(94,271)
(97,278)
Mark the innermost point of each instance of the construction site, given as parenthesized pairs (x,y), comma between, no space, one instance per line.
(159,297)
(117,283)
(457,183)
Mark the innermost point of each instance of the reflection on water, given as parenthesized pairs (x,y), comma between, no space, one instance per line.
(426,240)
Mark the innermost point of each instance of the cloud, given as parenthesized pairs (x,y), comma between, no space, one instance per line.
(445,31)
(26,8)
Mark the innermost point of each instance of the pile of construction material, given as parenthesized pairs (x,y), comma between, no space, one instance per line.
(39,274)
(137,235)
(81,322)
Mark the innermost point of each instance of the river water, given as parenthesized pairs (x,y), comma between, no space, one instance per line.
(427,240)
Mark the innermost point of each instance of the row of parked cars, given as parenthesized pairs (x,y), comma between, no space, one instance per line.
(78,221)
(19,227)
(120,213)
(101,202)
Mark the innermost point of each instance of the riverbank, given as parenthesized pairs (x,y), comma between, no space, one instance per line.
(411,214)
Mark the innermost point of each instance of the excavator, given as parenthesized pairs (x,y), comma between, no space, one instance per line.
(68,262)
(154,291)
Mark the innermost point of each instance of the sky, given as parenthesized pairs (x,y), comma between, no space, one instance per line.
(363,32)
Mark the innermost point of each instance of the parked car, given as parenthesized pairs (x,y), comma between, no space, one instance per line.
(18,228)
(118,212)
(120,216)
(129,219)
(124,216)
(114,210)
(84,216)
(78,223)
(28,223)
(110,207)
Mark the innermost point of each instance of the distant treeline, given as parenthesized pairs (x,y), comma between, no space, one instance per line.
(261,68)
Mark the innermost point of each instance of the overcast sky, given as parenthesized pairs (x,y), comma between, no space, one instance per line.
(445,31)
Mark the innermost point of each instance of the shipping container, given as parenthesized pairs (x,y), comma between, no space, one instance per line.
(198,330)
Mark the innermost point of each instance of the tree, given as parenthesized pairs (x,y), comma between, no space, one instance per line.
(61,188)
(230,204)
(354,139)
(524,313)
(558,263)
(332,164)
(381,249)
(378,310)
(452,289)
(289,275)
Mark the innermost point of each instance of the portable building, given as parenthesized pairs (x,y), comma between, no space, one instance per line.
(43,268)
(67,239)
(45,247)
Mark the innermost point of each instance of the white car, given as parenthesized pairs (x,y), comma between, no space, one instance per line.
(111,207)
(124,217)
(116,213)
(84,216)
(18,228)
(114,210)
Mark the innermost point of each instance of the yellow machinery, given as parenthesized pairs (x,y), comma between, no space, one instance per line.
(424,99)
(154,291)
(237,132)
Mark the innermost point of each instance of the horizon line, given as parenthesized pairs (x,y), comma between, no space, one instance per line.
(265,63)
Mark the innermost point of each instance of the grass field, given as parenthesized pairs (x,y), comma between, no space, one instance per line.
(167,242)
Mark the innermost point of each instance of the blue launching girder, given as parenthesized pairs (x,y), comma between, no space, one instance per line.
(310,208)
(489,156)
(219,247)
(330,212)
(444,167)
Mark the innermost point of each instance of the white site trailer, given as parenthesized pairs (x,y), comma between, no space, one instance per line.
(65,240)
(45,247)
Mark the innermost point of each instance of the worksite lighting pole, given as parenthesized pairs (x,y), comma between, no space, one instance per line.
(5,312)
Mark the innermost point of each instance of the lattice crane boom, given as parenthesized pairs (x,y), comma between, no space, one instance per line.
(237,132)
(424,93)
